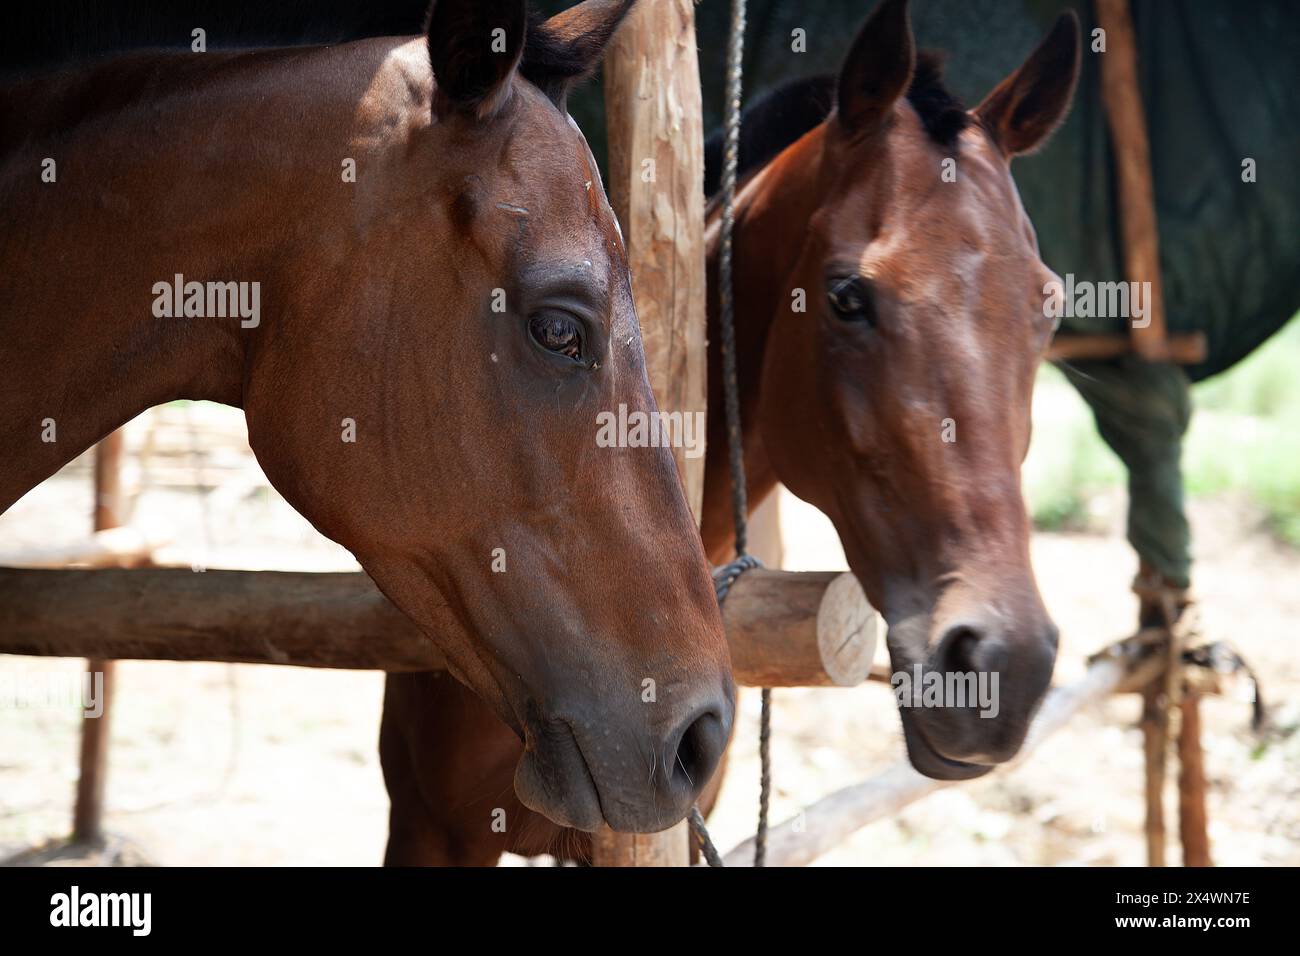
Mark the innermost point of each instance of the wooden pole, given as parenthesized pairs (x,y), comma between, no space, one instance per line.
(1155,736)
(656,171)
(1159,702)
(1183,348)
(1131,149)
(1126,118)
(110,508)
(656,175)
(1193,824)
(788,629)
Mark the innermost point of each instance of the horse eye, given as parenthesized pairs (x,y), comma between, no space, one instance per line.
(850,299)
(557,332)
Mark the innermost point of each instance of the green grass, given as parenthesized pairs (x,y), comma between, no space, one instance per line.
(1244,437)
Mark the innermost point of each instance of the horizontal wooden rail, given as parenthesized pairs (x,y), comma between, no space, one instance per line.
(1180,348)
(786,629)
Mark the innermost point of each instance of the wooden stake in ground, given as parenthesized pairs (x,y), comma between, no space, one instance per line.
(88,814)
(1155,737)
(1193,824)
(656,166)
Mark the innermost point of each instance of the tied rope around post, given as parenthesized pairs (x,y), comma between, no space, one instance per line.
(726,575)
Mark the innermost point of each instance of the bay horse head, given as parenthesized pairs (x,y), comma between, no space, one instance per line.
(481,324)
(898,399)
(438,336)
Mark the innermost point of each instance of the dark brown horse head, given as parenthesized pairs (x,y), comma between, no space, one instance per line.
(468,320)
(898,400)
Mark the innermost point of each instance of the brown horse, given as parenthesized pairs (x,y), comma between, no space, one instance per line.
(924,322)
(416,291)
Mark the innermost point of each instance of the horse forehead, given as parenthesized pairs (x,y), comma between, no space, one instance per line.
(968,187)
(967,254)
(958,227)
(549,164)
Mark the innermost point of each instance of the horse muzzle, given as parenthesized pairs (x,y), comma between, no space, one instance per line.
(583,771)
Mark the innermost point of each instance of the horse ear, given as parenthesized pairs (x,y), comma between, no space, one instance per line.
(474,47)
(1026,107)
(566,49)
(877,70)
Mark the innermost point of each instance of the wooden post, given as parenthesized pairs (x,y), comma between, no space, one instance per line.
(1155,734)
(1132,151)
(1193,825)
(88,813)
(656,176)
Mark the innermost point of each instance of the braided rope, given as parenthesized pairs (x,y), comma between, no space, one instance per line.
(725,576)
(731,385)
(711,854)
(730,162)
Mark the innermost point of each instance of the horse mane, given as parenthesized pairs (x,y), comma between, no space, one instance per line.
(782,115)
(942,114)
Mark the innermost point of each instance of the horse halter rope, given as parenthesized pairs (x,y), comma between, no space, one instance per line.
(725,576)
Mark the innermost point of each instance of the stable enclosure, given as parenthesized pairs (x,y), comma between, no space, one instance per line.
(106,600)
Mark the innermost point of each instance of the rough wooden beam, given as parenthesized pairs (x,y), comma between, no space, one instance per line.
(341,620)
(656,165)
(800,629)
(256,617)
(1183,348)
(655,130)
(1131,148)
(1193,824)
(1155,738)
(92,780)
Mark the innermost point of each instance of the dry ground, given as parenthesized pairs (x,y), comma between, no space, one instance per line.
(242,765)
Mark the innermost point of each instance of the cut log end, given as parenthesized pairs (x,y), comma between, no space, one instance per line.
(848,628)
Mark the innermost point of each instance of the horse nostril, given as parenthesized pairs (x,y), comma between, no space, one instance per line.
(699,747)
(966,649)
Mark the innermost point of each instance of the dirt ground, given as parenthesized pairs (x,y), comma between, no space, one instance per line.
(242,765)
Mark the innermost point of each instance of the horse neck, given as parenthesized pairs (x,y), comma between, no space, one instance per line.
(773,212)
(206,181)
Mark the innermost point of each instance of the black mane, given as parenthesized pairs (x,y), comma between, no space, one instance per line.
(779,117)
(941,113)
